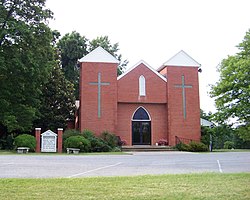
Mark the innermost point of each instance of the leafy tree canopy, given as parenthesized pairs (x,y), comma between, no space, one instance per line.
(104,42)
(58,102)
(26,58)
(232,92)
(204,115)
(73,46)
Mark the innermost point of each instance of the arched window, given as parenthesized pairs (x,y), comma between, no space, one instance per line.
(141,115)
(142,86)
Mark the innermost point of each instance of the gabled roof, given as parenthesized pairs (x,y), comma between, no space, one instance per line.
(181,59)
(205,122)
(147,65)
(99,55)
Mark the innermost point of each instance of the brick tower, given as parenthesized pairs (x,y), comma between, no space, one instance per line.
(98,92)
(183,103)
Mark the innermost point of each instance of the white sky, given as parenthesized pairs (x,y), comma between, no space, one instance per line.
(155,30)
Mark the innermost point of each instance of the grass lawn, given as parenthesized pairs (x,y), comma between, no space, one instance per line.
(187,186)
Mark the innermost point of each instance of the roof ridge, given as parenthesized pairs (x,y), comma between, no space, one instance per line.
(180,59)
(99,55)
(136,65)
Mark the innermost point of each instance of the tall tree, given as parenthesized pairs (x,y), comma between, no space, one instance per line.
(232,92)
(58,102)
(26,58)
(72,46)
(105,43)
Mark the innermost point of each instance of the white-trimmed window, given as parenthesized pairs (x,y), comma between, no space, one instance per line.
(142,86)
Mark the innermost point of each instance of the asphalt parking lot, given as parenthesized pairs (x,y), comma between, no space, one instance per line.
(138,163)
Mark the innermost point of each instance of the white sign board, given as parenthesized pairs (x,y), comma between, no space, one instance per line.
(49,139)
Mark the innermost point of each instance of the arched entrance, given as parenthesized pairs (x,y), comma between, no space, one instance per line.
(141,127)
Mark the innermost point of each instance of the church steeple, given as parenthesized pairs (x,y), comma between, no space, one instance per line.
(183,96)
(99,55)
(182,59)
(98,91)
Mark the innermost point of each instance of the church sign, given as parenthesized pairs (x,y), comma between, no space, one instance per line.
(49,139)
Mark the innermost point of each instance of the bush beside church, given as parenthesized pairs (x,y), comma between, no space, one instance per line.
(86,141)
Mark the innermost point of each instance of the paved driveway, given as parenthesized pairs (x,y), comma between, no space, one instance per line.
(139,163)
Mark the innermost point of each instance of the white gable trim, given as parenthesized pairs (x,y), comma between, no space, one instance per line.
(49,133)
(99,55)
(181,59)
(147,65)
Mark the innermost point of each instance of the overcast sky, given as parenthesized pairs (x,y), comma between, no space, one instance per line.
(155,30)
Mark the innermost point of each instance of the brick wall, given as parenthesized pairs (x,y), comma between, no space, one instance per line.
(120,99)
(89,97)
(158,116)
(178,126)
(128,87)
(154,102)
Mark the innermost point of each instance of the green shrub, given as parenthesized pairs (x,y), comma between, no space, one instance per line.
(116,149)
(25,140)
(182,147)
(2,143)
(9,142)
(88,134)
(70,132)
(99,145)
(192,146)
(228,145)
(110,138)
(77,142)
(197,147)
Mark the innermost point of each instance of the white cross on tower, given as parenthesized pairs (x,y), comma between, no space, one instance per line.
(99,84)
(183,86)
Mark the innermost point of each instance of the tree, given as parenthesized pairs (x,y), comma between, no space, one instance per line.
(206,132)
(26,58)
(72,47)
(232,92)
(104,42)
(58,102)
(206,116)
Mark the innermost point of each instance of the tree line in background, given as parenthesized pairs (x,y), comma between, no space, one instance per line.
(222,135)
(39,77)
(232,99)
(39,71)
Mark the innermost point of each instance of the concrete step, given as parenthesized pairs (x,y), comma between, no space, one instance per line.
(147,148)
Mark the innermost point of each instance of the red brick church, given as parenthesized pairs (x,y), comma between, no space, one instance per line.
(143,105)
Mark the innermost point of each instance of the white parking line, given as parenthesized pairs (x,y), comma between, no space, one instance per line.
(6,164)
(219,166)
(108,166)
